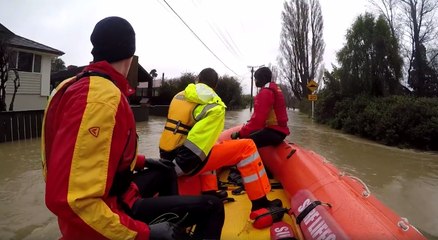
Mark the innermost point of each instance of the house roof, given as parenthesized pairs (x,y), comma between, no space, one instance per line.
(24,43)
(143,75)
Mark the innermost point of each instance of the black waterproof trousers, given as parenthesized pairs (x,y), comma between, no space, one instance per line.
(267,137)
(205,211)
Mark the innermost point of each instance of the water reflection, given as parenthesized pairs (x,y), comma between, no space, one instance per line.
(405,180)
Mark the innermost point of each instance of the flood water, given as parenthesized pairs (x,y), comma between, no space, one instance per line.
(405,180)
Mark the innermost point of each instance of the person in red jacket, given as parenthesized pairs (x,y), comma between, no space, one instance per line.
(89,154)
(268,123)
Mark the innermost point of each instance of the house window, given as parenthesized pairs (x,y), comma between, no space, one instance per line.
(13,59)
(25,62)
(37,63)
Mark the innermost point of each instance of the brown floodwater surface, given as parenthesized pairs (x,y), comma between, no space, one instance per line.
(405,180)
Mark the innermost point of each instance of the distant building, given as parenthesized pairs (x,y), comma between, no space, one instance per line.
(138,78)
(33,61)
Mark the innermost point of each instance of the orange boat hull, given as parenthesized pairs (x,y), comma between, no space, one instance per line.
(357,213)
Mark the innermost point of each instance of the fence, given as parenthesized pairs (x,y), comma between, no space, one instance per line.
(19,125)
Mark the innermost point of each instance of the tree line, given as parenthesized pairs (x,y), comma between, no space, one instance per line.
(228,89)
(385,85)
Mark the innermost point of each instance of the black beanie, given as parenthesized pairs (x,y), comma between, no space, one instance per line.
(113,39)
(263,75)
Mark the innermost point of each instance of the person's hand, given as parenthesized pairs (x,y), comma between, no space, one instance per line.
(166,231)
(235,135)
(159,163)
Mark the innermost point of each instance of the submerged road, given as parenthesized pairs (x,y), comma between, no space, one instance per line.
(405,180)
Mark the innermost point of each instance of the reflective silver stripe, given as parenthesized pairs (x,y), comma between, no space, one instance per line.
(204,111)
(248,160)
(180,97)
(178,170)
(209,173)
(254,177)
(195,149)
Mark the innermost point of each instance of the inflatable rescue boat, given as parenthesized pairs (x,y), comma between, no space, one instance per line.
(322,202)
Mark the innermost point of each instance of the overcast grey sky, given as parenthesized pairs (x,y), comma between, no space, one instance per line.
(239,32)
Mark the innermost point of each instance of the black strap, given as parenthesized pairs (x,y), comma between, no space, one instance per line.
(271,212)
(92,73)
(309,208)
(175,130)
(179,124)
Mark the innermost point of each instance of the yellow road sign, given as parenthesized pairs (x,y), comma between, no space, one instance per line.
(312,97)
(312,85)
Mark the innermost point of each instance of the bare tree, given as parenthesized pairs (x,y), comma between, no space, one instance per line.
(421,22)
(301,45)
(4,71)
(16,86)
(388,9)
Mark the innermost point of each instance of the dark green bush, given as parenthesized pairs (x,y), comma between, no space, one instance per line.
(396,120)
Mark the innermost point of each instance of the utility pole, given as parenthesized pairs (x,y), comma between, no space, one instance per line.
(252,83)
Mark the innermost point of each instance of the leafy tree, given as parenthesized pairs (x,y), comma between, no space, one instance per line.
(185,80)
(230,91)
(58,65)
(370,60)
(301,44)
(328,97)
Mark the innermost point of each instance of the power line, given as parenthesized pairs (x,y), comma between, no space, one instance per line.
(205,45)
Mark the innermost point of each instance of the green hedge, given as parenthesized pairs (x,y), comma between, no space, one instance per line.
(396,121)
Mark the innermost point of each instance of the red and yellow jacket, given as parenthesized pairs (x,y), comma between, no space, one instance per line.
(269,111)
(89,149)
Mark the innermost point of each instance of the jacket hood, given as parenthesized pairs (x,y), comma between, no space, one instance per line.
(202,94)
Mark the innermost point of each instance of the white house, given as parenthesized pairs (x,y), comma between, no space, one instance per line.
(33,61)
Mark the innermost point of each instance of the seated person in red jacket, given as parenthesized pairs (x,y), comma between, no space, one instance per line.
(268,123)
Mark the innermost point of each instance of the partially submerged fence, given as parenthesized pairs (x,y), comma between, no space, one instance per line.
(19,125)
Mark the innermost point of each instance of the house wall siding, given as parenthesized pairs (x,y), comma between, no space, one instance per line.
(34,87)
(30,83)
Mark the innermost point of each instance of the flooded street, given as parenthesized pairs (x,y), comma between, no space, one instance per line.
(405,180)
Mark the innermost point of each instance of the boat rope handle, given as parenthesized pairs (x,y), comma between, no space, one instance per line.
(309,208)
(403,224)
(366,193)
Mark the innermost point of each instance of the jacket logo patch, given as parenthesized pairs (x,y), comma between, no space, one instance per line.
(94,131)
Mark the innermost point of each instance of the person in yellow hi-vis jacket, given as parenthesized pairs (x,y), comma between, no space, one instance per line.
(195,120)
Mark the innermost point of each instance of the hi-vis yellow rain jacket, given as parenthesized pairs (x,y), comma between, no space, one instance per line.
(195,120)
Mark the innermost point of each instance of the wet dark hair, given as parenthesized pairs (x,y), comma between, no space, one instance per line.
(263,75)
(209,77)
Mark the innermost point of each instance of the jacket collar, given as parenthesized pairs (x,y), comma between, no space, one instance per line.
(119,80)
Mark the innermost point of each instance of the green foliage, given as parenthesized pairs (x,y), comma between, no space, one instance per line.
(328,97)
(246,100)
(364,96)
(423,77)
(396,120)
(229,89)
(57,65)
(171,87)
(370,60)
